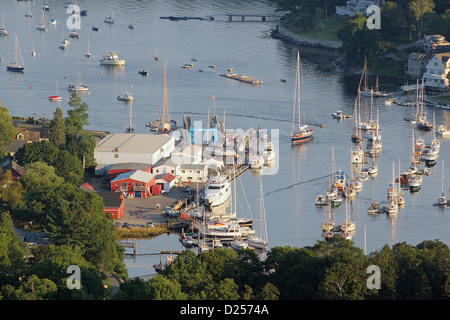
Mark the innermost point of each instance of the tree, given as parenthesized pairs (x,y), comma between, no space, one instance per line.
(82,145)
(418,9)
(7,130)
(69,167)
(40,176)
(58,128)
(43,151)
(12,252)
(34,288)
(161,288)
(11,191)
(77,115)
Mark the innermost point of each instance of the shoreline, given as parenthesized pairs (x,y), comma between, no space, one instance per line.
(321,50)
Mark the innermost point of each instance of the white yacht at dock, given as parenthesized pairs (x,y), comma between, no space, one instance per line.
(217,191)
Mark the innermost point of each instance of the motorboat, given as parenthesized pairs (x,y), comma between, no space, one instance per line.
(76,88)
(357,155)
(268,153)
(95,28)
(143,72)
(415,183)
(52,22)
(338,115)
(320,200)
(112,59)
(228,233)
(45,7)
(74,34)
(187,241)
(238,244)
(339,179)
(256,161)
(218,190)
(374,207)
(127,96)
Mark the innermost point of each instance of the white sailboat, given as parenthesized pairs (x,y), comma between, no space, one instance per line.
(347,227)
(109,19)
(3,31)
(328,225)
(442,201)
(260,242)
(41,26)
(88,53)
(304,132)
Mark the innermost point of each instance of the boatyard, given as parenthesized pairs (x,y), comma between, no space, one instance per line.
(294,152)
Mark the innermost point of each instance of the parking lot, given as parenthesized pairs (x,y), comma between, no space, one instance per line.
(138,211)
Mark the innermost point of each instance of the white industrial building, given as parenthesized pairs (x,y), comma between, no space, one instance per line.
(132,148)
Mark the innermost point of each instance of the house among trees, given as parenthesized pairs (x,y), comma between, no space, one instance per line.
(357,6)
(438,71)
(9,164)
(433,44)
(417,64)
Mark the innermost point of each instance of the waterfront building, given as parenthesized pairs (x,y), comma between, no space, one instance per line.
(135,184)
(132,148)
(438,71)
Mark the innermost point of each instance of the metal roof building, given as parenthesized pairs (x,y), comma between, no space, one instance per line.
(132,148)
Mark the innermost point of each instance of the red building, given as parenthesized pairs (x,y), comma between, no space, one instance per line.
(114,203)
(119,168)
(133,183)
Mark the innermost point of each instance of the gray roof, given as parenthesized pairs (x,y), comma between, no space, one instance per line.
(132,143)
(130,166)
(192,166)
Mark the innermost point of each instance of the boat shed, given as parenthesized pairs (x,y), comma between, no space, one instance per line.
(167,181)
(114,203)
(119,168)
(133,183)
(123,148)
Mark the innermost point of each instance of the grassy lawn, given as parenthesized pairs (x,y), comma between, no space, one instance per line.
(444,99)
(329,31)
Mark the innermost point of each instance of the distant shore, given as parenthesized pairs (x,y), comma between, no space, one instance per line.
(328,54)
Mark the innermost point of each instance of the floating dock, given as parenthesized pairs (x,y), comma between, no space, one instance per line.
(238,77)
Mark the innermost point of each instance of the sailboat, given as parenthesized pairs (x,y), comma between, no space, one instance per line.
(33,53)
(260,242)
(57,97)
(328,225)
(14,66)
(127,96)
(392,206)
(88,53)
(165,125)
(347,227)
(304,133)
(421,117)
(155,57)
(366,91)
(442,201)
(3,31)
(28,13)
(109,19)
(41,26)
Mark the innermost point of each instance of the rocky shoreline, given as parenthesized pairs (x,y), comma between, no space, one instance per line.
(327,54)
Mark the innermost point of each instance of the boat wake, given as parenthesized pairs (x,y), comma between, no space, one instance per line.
(296,184)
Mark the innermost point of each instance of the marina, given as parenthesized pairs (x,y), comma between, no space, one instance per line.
(300,172)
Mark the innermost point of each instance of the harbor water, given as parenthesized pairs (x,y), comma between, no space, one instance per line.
(300,173)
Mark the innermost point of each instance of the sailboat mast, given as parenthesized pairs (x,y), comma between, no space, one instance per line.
(365,73)
(298,87)
(164,116)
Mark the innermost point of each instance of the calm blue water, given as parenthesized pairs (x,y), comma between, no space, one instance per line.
(292,217)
